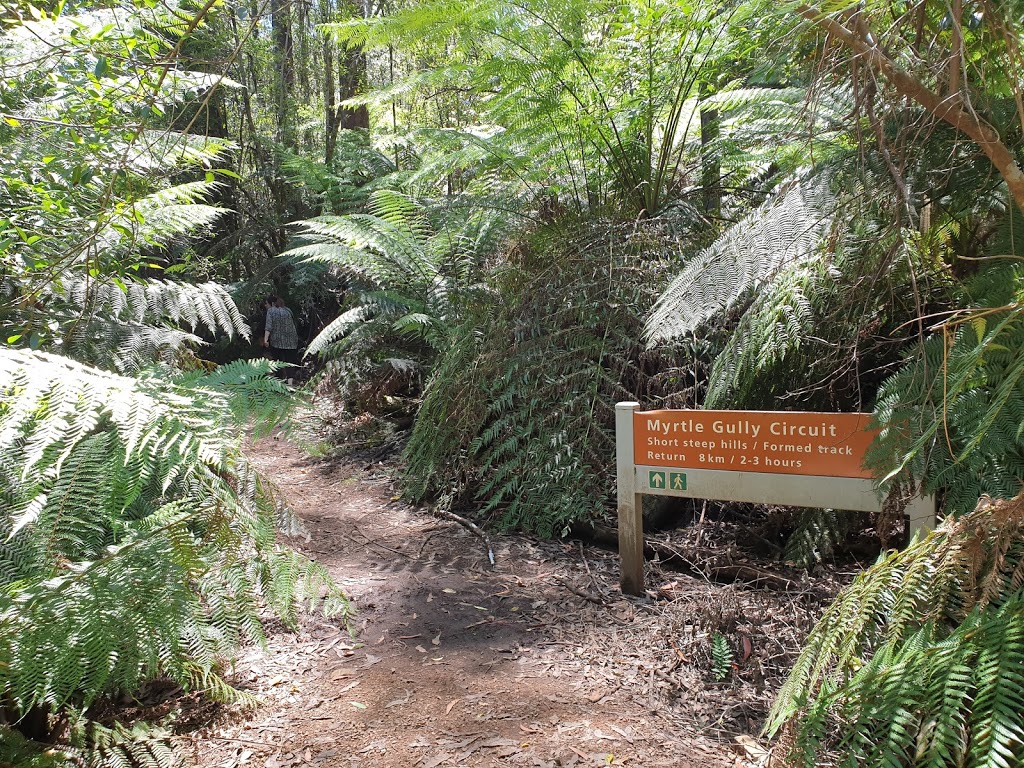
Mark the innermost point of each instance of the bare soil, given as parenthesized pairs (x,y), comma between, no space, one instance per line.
(536,661)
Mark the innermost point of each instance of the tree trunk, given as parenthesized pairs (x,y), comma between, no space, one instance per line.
(351,77)
(710,163)
(331,122)
(284,62)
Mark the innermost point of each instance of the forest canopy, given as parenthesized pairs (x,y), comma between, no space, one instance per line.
(493,221)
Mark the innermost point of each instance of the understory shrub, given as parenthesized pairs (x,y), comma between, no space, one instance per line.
(952,414)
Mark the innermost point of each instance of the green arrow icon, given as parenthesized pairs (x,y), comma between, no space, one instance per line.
(656,479)
(677,481)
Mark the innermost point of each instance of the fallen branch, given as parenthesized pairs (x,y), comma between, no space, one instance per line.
(696,561)
(472,527)
(590,598)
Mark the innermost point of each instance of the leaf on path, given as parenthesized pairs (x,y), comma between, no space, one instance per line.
(358,704)
(748,647)
(753,751)
(340,673)
(436,640)
(400,702)
(451,706)
(626,733)
(436,760)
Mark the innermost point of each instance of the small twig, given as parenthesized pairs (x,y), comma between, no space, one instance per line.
(233,741)
(650,692)
(472,528)
(700,523)
(593,579)
(419,554)
(596,600)
(374,543)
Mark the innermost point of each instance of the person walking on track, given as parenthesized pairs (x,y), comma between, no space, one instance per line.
(281,338)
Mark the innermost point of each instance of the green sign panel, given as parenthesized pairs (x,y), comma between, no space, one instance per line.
(674,481)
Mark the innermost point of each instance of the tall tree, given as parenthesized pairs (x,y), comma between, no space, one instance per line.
(964,69)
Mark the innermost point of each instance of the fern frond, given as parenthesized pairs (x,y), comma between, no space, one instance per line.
(137,540)
(518,412)
(921,657)
(951,416)
(784,232)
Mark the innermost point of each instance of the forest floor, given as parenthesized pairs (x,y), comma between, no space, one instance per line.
(536,661)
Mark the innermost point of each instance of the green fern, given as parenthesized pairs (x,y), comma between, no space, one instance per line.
(412,269)
(951,416)
(137,541)
(816,534)
(919,662)
(518,413)
(84,209)
(721,657)
(576,120)
(357,170)
(783,234)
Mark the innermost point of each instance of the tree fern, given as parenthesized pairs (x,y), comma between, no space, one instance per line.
(784,233)
(411,267)
(85,210)
(518,412)
(560,106)
(344,187)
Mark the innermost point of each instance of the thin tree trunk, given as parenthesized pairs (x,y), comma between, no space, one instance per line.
(711,165)
(351,78)
(331,122)
(284,62)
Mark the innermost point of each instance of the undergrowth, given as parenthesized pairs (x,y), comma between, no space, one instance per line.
(918,662)
(137,543)
(518,413)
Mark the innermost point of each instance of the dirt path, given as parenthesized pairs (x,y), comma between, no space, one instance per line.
(537,661)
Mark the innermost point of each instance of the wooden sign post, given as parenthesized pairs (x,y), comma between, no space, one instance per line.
(766,457)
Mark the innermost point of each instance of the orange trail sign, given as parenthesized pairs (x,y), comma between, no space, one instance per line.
(819,444)
(765,457)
